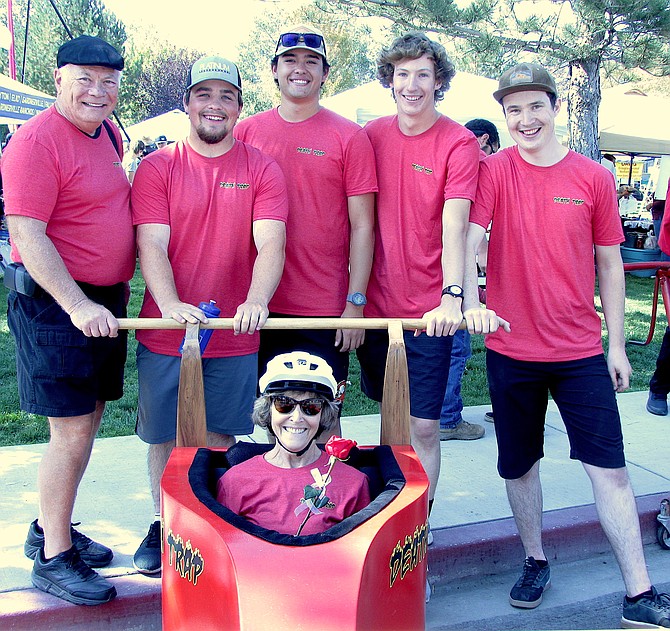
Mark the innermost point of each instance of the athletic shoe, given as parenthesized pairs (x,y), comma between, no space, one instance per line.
(462,431)
(429,537)
(534,580)
(147,559)
(488,416)
(428,591)
(649,612)
(69,578)
(92,553)
(657,404)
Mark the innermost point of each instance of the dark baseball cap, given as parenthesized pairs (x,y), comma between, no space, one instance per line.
(87,50)
(161,138)
(525,77)
(214,67)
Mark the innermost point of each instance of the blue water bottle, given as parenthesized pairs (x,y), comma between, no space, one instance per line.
(211,311)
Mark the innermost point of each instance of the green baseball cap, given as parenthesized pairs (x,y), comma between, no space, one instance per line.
(525,77)
(214,67)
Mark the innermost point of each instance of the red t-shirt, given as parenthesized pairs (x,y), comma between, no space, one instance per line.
(416,174)
(540,274)
(267,495)
(326,159)
(210,205)
(54,172)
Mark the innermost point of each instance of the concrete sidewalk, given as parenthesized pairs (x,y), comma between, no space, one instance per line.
(471,519)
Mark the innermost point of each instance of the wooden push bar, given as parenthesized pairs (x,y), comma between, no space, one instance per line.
(191,419)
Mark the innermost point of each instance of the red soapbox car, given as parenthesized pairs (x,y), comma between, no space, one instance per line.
(219,571)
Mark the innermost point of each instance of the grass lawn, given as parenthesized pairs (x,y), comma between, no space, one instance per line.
(18,428)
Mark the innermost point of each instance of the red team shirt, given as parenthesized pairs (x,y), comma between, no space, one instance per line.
(268,496)
(416,174)
(76,184)
(541,274)
(325,159)
(210,205)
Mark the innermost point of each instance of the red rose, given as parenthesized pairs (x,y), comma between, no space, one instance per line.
(339,447)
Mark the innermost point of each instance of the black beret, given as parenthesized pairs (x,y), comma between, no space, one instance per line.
(86,50)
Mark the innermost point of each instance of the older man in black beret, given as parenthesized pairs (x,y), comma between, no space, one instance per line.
(68,213)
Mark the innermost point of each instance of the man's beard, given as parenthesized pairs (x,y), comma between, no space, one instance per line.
(211,137)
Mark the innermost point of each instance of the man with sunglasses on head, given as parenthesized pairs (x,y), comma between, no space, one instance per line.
(329,165)
(210,213)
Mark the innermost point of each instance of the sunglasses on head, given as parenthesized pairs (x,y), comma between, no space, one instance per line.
(286,405)
(311,40)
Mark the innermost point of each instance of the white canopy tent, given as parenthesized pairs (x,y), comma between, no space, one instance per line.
(173,124)
(19,102)
(631,122)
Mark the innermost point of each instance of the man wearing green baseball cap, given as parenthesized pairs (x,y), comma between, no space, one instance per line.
(565,207)
(210,214)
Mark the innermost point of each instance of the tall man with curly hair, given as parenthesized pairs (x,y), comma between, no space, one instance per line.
(427,168)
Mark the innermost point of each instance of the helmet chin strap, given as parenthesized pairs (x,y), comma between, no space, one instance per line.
(285,448)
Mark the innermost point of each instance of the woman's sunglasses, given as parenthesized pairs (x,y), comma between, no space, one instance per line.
(286,405)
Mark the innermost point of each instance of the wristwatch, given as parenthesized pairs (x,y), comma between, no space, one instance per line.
(453,290)
(357,298)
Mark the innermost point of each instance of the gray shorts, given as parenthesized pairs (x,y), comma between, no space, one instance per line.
(230,390)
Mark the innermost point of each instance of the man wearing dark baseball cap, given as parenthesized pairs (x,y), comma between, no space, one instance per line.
(565,206)
(66,192)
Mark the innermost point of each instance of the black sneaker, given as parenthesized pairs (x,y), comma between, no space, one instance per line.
(657,404)
(69,578)
(147,559)
(527,591)
(92,553)
(649,612)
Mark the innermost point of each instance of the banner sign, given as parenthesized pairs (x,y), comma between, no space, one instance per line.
(20,105)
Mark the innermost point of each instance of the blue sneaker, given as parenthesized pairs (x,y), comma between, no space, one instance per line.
(649,612)
(527,591)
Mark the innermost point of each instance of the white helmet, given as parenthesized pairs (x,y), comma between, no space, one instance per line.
(299,371)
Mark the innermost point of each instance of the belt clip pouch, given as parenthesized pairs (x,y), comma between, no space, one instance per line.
(18,279)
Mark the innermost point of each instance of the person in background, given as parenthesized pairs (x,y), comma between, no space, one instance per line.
(452,425)
(659,385)
(65,193)
(136,157)
(628,204)
(161,141)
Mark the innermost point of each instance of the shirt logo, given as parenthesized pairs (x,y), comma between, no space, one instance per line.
(421,169)
(308,151)
(568,200)
(243,186)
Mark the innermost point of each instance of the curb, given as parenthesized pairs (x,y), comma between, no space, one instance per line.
(459,552)
(491,547)
(137,607)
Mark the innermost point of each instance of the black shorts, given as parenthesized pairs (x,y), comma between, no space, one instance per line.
(583,392)
(319,342)
(428,360)
(60,371)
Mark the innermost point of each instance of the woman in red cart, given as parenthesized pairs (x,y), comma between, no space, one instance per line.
(296,488)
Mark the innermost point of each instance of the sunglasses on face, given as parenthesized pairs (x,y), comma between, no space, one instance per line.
(286,405)
(311,40)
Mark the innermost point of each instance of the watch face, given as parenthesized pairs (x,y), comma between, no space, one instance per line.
(357,299)
(454,290)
